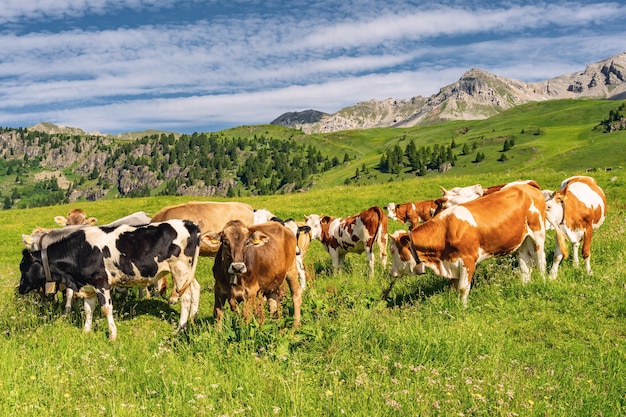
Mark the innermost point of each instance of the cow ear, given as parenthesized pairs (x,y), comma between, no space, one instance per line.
(60,220)
(259,238)
(27,240)
(405,240)
(91,221)
(211,237)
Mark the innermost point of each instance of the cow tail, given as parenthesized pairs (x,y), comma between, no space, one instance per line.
(560,238)
(381,230)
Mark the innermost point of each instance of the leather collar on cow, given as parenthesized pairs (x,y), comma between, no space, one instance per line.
(414,252)
(50,289)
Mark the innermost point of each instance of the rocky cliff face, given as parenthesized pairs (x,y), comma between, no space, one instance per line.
(477,95)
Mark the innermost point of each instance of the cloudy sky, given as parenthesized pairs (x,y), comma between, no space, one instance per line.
(197,66)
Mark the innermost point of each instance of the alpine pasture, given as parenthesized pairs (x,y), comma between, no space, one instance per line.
(545,348)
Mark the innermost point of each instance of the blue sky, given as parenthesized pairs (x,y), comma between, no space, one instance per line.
(198,66)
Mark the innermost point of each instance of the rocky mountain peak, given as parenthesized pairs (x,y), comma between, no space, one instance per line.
(478,94)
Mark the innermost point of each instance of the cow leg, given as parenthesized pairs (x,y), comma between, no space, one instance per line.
(336,259)
(144,293)
(370,261)
(538,251)
(69,296)
(188,304)
(382,246)
(89,305)
(464,283)
(218,306)
(525,256)
(586,251)
(273,305)
(106,306)
(248,306)
(558,256)
(195,290)
(575,249)
(301,271)
(296,295)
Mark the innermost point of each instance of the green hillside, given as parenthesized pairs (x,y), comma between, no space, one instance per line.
(556,134)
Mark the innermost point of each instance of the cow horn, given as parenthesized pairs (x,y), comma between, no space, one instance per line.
(443,190)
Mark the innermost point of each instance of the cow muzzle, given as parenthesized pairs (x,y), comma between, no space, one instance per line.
(237,268)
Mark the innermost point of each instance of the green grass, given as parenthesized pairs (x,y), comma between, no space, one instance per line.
(546,348)
(555,348)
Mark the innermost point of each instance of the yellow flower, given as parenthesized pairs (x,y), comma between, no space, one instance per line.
(329,393)
(33,377)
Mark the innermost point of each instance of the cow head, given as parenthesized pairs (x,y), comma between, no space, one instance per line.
(554,209)
(403,262)
(391,211)
(262,216)
(460,195)
(32,273)
(75,217)
(314,221)
(235,238)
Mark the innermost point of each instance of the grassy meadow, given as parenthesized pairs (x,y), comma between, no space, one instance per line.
(549,348)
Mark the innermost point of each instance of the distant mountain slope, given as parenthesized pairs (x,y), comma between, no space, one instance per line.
(477,95)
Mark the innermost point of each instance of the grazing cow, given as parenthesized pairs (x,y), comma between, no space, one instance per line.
(210,216)
(96,259)
(578,208)
(458,238)
(75,217)
(351,234)
(460,195)
(41,238)
(412,214)
(303,239)
(255,261)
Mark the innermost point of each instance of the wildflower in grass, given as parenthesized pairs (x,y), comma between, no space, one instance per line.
(276,409)
(329,393)
(393,404)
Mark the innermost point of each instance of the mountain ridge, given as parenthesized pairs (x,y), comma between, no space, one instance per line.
(478,94)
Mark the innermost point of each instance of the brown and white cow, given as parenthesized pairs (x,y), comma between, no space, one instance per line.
(412,214)
(75,217)
(460,195)
(255,261)
(212,217)
(457,239)
(578,208)
(355,234)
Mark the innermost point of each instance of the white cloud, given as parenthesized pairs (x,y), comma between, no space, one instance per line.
(250,67)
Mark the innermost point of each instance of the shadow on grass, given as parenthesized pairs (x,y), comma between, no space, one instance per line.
(413,289)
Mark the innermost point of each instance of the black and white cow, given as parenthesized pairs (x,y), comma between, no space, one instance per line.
(41,238)
(96,259)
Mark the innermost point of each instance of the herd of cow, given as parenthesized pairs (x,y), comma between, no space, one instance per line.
(255,252)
